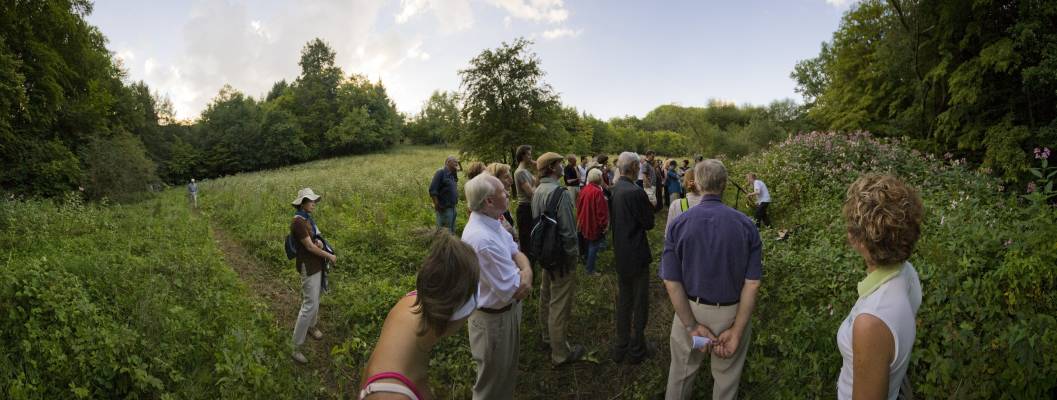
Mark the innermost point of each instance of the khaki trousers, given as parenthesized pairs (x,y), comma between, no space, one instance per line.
(726,372)
(556,307)
(309,314)
(494,346)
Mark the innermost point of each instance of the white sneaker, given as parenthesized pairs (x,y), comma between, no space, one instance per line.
(316,334)
(300,358)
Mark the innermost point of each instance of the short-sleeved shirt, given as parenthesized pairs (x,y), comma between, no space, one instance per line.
(712,249)
(311,263)
(445,188)
(495,248)
(193,188)
(522,175)
(765,195)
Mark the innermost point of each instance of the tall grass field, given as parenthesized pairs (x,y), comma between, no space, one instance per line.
(137,301)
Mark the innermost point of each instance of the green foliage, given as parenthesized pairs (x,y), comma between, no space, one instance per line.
(117,168)
(985,263)
(440,121)
(974,79)
(112,301)
(507,104)
(61,91)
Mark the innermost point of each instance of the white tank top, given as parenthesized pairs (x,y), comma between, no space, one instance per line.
(896,304)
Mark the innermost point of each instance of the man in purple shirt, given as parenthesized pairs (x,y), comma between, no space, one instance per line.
(711,267)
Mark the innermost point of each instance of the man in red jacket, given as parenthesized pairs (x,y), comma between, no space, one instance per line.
(592,217)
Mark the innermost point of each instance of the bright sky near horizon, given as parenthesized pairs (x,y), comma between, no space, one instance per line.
(606,57)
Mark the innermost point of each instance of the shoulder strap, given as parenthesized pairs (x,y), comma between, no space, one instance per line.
(684,204)
(552,201)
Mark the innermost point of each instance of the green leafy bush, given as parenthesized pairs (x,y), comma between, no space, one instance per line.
(112,301)
(986,260)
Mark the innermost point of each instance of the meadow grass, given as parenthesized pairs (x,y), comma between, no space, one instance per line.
(129,301)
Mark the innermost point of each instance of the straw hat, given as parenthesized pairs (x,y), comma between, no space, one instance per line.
(305,193)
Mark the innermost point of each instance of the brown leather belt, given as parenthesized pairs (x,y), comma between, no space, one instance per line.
(497,310)
(707,302)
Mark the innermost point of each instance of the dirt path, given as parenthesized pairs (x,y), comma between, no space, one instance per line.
(283,298)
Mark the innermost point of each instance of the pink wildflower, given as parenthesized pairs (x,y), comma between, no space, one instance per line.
(1031,187)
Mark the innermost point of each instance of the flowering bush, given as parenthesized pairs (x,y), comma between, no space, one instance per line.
(986,261)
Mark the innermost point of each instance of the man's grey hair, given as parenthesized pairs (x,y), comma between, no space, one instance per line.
(710,176)
(479,188)
(627,161)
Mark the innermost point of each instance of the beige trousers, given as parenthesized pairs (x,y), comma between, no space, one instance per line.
(494,346)
(556,308)
(726,372)
(309,314)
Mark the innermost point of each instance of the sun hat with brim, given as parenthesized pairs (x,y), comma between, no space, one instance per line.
(548,158)
(305,193)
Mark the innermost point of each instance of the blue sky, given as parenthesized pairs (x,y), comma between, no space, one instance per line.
(608,58)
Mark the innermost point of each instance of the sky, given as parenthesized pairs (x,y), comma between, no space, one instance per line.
(609,58)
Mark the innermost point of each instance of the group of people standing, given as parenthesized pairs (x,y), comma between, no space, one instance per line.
(711,267)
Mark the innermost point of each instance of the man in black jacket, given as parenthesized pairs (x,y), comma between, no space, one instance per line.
(632,216)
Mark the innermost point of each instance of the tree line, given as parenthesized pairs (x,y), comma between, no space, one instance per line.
(976,79)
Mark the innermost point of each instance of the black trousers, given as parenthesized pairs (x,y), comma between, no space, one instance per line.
(524,228)
(632,305)
(761,215)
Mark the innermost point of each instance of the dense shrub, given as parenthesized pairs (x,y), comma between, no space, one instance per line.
(111,301)
(986,261)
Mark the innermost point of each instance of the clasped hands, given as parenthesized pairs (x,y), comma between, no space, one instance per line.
(724,346)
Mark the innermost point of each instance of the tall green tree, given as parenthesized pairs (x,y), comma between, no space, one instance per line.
(315,94)
(972,78)
(506,103)
(440,120)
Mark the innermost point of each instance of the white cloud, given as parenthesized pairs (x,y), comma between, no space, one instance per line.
(148,66)
(839,3)
(408,9)
(452,15)
(561,32)
(549,11)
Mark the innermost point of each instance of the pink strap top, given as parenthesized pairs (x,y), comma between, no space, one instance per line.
(394,375)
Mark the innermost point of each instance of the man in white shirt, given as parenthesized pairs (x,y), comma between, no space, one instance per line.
(506,279)
(763,199)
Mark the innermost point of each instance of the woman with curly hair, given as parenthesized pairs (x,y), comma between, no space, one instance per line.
(446,295)
(883,219)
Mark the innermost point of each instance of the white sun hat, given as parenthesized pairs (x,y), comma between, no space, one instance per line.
(305,193)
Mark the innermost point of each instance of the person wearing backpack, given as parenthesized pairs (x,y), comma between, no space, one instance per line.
(632,217)
(311,265)
(554,247)
(692,198)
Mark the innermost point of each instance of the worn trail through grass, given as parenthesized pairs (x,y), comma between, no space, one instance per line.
(283,299)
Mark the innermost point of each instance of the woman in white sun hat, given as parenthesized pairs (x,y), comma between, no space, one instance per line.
(313,255)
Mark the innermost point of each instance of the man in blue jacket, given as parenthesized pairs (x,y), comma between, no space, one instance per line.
(444,191)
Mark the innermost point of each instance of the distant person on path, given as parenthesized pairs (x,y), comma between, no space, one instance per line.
(711,266)
(763,199)
(506,279)
(311,263)
(444,192)
(525,186)
(691,199)
(675,188)
(883,218)
(632,217)
(592,218)
(445,295)
(192,190)
(502,172)
(572,177)
(557,290)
